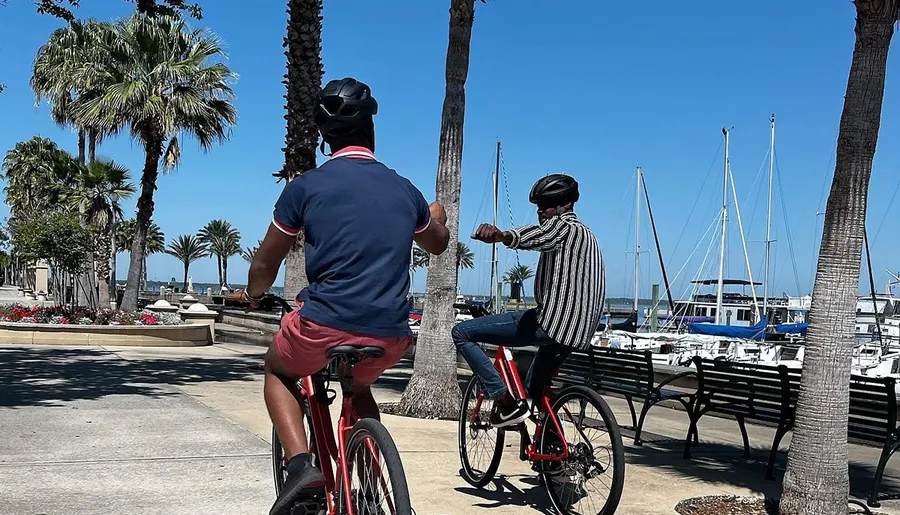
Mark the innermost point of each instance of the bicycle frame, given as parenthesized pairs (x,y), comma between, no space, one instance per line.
(328,449)
(506,366)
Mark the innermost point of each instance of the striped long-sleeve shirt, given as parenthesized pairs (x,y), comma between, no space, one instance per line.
(570,285)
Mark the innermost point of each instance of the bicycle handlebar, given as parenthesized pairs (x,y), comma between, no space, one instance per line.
(270,300)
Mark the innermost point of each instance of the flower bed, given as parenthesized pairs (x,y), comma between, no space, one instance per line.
(62,315)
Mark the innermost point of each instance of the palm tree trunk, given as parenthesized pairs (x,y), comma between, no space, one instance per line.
(187,266)
(113,251)
(81,137)
(303,79)
(225,272)
(103,269)
(92,145)
(142,221)
(816,481)
(219,264)
(432,390)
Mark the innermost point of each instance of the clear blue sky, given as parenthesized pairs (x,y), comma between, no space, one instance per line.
(593,89)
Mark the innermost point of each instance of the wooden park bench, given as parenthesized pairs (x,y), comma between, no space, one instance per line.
(769,394)
(625,372)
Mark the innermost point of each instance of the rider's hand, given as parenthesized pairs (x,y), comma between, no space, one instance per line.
(488,234)
(437,213)
(239,297)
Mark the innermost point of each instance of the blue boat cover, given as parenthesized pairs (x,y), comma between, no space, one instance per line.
(792,328)
(755,332)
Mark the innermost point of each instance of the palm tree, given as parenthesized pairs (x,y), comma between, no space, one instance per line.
(223,241)
(816,481)
(250,252)
(433,390)
(518,275)
(156,243)
(303,43)
(419,258)
(68,68)
(465,258)
(38,175)
(164,81)
(99,186)
(187,248)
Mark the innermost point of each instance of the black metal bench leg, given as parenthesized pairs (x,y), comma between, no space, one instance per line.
(740,421)
(779,434)
(692,432)
(889,448)
(633,414)
(640,424)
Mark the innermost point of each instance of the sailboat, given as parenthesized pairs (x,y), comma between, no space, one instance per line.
(739,308)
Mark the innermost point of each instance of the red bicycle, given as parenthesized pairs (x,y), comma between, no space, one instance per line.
(575,445)
(370,478)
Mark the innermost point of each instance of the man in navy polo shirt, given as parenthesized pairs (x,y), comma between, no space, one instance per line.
(359,219)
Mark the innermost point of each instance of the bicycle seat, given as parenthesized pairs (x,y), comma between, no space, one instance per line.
(352,351)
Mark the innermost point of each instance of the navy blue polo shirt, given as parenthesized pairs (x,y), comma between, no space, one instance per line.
(359,218)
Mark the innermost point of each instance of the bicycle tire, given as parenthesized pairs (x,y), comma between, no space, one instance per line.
(369,429)
(279,467)
(616,453)
(470,473)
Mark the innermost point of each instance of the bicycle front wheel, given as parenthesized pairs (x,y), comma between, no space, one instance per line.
(377,481)
(480,444)
(591,480)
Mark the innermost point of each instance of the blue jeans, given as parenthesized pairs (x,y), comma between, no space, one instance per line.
(515,329)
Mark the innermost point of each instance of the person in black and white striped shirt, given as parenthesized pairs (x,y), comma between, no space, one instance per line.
(569,289)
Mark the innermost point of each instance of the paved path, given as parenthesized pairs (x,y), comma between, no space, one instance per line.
(184,431)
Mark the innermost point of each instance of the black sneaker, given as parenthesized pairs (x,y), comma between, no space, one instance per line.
(303,481)
(509,415)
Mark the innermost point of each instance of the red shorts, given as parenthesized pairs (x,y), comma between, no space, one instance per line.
(302,344)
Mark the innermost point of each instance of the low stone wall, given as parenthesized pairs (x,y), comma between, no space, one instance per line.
(265,322)
(128,335)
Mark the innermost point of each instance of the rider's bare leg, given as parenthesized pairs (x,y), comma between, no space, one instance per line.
(284,409)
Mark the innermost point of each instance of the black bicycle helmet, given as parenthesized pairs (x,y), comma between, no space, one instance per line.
(344,106)
(554,190)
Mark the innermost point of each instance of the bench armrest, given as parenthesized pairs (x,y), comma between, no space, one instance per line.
(674,378)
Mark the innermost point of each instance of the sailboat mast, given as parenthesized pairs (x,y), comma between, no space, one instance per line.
(637,237)
(495,293)
(769,218)
(719,315)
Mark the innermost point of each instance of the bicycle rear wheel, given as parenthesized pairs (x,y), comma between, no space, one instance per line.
(591,480)
(377,480)
(480,444)
(279,467)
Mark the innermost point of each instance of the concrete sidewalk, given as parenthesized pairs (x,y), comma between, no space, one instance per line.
(184,430)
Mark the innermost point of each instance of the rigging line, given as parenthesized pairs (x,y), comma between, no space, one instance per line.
(484,195)
(697,198)
(511,220)
(668,292)
(887,211)
(755,204)
(787,227)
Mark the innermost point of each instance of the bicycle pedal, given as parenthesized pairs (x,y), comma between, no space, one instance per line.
(310,506)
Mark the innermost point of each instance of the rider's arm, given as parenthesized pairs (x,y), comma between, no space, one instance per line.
(549,235)
(286,225)
(431,225)
(267,260)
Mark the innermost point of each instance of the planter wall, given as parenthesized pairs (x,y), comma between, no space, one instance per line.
(132,335)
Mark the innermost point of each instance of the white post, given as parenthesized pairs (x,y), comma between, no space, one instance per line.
(637,237)
(719,315)
(769,218)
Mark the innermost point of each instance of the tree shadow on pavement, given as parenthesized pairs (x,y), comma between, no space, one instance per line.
(502,493)
(721,463)
(34,376)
